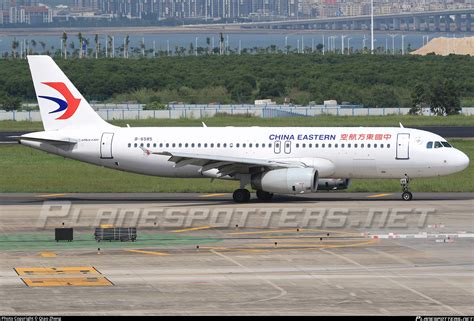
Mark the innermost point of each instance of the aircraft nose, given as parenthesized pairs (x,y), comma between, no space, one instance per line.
(461,160)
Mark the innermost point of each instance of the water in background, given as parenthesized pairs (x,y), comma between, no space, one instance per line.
(163,41)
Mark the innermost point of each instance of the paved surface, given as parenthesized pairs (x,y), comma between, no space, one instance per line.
(333,253)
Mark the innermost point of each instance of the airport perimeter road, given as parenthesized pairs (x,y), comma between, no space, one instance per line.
(331,253)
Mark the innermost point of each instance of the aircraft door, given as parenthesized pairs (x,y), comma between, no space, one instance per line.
(106,145)
(277,147)
(403,146)
(287,147)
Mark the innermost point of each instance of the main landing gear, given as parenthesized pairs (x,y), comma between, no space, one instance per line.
(241,195)
(406,195)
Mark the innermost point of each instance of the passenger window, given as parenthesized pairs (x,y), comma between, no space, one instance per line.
(263,145)
(388,145)
(135,145)
(186,145)
(129,145)
(174,145)
(192,145)
(322,145)
(256,145)
(141,145)
(244,145)
(218,145)
(438,145)
(270,145)
(329,145)
(212,145)
(303,145)
(250,145)
(199,144)
(342,145)
(154,144)
(205,145)
(316,145)
(349,145)
(368,145)
(335,145)
(297,145)
(310,145)
(381,145)
(355,145)
(375,145)
(361,145)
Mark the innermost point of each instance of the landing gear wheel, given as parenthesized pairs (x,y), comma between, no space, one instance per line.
(241,195)
(407,196)
(264,196)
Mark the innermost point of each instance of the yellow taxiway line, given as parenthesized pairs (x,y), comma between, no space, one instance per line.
(56,270)
(51,195)
(379,195)
(48,254)
(78,281)
(192,229)
(212,195)
(148,252)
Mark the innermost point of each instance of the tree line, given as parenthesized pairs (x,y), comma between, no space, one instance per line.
(371,80)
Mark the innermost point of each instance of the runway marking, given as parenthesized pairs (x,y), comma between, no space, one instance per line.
(394,282)
(48,254)
(213,195)
(78,281)
(192,229)
(379,195)
(314,245)
(283,292)
(56,270)
(51,195)
(300,231)
(148,252)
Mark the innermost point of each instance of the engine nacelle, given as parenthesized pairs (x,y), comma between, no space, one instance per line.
(287,180)
(327,184)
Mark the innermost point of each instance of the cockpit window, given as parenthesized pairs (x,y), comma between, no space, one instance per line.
(446,144)
(438,145)
(429,145)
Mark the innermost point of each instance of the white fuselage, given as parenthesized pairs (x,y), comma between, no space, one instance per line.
(352,152)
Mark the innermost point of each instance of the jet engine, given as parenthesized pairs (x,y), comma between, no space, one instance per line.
(327,184)
(286,180)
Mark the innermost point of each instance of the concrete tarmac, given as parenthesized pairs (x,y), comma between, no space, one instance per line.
(324,254)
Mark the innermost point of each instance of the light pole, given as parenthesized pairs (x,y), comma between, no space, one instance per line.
(286,44)
(302,44)
(324,44)
(364,43)
(196,47)
(154,49)
(403,44)
(348,45)
(393,43)
(372,26)
(113,47)
(342,43)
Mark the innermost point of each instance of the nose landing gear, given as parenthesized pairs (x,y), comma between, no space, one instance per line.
(406,195)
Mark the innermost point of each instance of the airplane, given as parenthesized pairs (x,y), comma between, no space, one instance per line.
(271,160)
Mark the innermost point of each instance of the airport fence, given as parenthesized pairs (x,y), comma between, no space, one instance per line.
(197,112)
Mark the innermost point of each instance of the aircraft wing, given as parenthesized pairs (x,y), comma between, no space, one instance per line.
(226,165)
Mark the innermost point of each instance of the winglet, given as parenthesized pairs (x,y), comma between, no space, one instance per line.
(401,126)
(203,124)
